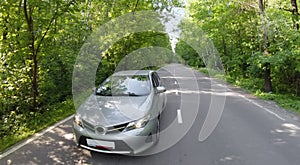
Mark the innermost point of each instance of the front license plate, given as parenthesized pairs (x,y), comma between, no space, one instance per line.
(100,143)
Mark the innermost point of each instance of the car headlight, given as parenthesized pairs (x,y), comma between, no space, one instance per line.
(77,120)
(138,123)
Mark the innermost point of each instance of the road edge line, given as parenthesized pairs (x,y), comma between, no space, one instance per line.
(262,107)
(249,100)
(33,137)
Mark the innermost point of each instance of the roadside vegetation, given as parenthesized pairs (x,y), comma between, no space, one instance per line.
(287,101)
(284,100)
(18,126)
(258,42)
(39,44)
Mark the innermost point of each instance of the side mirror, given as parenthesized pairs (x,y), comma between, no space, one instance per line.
(97,91)
(160,89)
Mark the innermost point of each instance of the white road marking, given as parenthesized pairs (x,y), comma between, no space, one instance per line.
(262,107)
(34,137)
(176,92)
(179,117)
(227,92)
(253,102)
(249,100)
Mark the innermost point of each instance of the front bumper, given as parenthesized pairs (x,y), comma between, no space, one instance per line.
(129,142)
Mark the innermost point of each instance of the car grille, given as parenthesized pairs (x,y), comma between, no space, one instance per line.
(117,128)
(104,130)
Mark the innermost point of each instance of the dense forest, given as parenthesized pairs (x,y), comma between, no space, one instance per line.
(40,41)
(258,42)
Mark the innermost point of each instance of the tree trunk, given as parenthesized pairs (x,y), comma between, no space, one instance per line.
(295,14)
(267,68)
(268,84)
(33,54)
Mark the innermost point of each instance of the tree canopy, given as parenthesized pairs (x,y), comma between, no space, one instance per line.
(257,40)
(40,41)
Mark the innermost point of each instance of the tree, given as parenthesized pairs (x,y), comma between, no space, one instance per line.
(266,44)
(37,29)
(295,14)
(257,41)
(40,41)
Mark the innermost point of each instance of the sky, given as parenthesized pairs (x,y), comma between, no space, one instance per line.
(171,25)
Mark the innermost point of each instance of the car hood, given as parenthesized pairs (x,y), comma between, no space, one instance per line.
(112,110)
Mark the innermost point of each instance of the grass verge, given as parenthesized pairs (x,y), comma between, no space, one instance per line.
(25,125)
(285,101)
(255,86)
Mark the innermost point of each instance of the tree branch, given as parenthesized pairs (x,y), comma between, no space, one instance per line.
(135,6)
(289,10)
(55,16)
(25,11)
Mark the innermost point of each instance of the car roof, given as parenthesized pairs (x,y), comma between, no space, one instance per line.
(132,72)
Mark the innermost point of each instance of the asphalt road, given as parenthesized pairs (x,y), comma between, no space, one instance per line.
(249,132)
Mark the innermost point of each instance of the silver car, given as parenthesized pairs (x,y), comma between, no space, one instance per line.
(122,116)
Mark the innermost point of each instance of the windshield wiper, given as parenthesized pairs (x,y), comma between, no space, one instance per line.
(102,93)
(132,94)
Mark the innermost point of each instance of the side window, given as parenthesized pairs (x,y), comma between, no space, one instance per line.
(155,80)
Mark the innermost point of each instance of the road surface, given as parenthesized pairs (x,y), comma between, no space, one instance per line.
(249,132)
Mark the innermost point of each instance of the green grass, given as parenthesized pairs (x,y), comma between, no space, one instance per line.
(202,70)
(17,127)
(255,86)
(212,73)
(285,101)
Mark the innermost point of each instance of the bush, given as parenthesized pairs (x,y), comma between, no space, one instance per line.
(15,127)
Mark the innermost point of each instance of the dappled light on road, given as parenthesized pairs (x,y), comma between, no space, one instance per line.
(279,141)
(290,129)
(230,159)
(68,136)
(249,132)
(56,146)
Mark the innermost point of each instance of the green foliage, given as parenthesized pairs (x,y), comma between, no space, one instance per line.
(251,84)
(189,55)
(15,127)
(117,56)
(203,70)
(40,40)
(285,101)
(236,29)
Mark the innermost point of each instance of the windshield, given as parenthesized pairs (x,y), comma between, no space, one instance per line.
(133,85)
